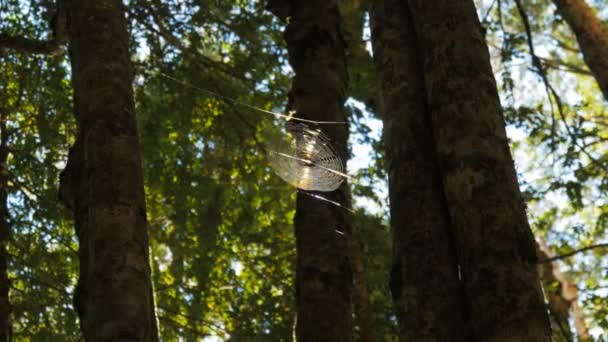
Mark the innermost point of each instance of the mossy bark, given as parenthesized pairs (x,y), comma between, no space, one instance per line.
(427,292)
(497,248)
(323,274)
(592,40)
(103,184)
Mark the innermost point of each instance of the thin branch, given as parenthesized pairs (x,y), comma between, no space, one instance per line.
(564,45)
(540,70)
(578,251)
(564,66)
(163,30)
(31,46)
(52,47)
(551,92)
(487,15)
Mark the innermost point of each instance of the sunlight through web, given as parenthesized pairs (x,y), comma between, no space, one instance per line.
(306,159)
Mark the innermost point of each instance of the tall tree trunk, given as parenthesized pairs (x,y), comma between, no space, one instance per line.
(102,183)
(427,293)
(361,75)
(323,274)
(362,78)
(362,303)
(592,40)
(5,322)
(498,263)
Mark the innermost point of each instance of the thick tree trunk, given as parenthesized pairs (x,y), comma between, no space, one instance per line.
(102,183)
(427,293)
(592,40)
(323,274)
(498,263)
(5,322)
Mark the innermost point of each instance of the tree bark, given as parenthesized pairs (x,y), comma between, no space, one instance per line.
(562,297)
(593,41)
(102,183)
(5,309)
(362,303)
(497,248)
(426,290)
(323,274)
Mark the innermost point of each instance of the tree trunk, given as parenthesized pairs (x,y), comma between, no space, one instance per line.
(5,322)
(102,183)
(592,40)
(427,293)
(559,307)
(562,297)
(497,248)
(362,304)
(323,274)
(362,78)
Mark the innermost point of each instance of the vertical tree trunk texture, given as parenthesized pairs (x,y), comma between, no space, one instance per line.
(592,40)
(362,303)
(359,60)
(102,183)
(562,295)
(427,292)
(498,264)
(5,322)
(323,274)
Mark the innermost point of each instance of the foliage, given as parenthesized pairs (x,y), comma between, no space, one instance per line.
(220,222)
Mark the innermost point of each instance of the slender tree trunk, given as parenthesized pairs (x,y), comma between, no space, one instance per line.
(5,322)
(497,248)
(323,274)
(362,78)
(592,40)
(559,307)
(102,183)
(427,293)
(562,295)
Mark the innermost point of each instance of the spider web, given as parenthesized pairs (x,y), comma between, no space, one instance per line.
(306,159)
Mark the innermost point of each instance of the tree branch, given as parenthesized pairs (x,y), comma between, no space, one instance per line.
(31,46)
(52,47)
(564,66)
(551,92)
(578,251)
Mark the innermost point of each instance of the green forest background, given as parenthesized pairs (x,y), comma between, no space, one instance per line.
(221,234)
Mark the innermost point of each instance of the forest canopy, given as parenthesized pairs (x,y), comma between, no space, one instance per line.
(208,79)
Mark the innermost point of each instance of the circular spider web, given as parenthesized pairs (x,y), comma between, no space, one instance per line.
(306,160)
